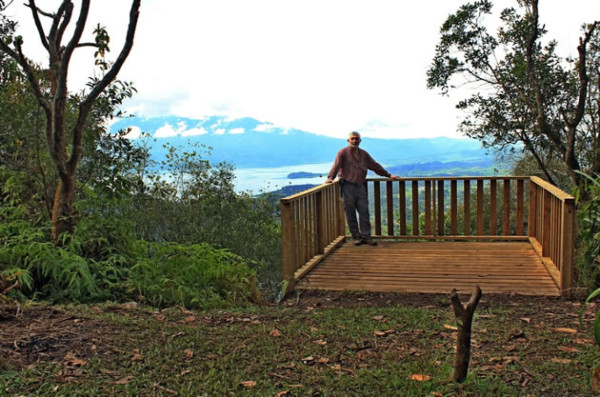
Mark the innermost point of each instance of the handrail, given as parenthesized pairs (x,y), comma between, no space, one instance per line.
(435,208)
(552,230)
(312,225)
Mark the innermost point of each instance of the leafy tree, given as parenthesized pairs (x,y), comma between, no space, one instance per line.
(64,137)
(527,94)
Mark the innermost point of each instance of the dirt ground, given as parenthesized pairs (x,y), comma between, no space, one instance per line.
(52,333)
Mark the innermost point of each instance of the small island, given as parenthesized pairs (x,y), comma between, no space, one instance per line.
(302,174)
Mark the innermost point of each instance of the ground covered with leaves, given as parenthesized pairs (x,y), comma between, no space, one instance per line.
(313,344)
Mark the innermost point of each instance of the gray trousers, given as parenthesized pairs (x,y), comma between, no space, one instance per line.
(355,200)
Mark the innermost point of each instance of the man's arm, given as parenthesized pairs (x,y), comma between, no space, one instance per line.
(378,169)
(337,164)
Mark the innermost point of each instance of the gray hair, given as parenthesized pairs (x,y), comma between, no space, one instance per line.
(354,133)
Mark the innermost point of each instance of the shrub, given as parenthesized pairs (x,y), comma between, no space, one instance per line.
(196,275)
(588,260)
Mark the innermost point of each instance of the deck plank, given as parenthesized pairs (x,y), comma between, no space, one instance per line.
(434,267)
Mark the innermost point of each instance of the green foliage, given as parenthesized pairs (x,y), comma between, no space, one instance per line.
(187,200)
(588,260)
(192,276)
(102,260)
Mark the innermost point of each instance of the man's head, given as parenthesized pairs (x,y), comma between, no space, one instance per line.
(354,139)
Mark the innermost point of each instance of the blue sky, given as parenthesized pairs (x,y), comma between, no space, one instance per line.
(323,66)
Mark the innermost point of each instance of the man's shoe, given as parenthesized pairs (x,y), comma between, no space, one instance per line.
(357,241)
(369,241)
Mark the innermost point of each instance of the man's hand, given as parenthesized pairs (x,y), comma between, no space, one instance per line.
(395,177)
(329,180)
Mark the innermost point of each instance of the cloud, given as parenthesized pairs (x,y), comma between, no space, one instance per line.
(167,131)
(266,127)
(220,131)
(194,131)
(237,131)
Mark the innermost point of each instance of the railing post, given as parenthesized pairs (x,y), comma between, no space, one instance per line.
(390,208)
(377,207)
(319,223)
(341,215)
(567,241)
(288,244)
(546,206)
(533,213)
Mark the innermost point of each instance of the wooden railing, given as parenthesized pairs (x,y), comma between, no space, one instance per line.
(551,230)
(312,225)
(435,208)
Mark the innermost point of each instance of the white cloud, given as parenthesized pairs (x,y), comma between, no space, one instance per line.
(166,131)
(220,131)
(194,131)
(264,127)
(237,131)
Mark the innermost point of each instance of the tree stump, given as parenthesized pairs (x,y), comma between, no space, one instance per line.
(464,319)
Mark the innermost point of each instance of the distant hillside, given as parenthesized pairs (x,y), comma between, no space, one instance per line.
(249,143)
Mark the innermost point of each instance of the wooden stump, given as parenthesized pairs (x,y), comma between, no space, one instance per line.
(464,319)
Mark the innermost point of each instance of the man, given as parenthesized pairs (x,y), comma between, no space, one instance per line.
(351,165)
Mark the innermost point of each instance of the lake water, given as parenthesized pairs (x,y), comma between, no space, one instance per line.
(256,180)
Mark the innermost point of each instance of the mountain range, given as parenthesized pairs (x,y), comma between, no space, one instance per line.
(250,143)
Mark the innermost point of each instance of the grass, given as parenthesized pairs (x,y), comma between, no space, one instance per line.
(329,345)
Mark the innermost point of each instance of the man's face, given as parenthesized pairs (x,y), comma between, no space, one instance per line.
(354,141)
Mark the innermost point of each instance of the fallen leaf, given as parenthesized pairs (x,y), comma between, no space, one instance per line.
(159,317)
(275,333)
(379,333)
(378,318)
(582,341)
(137,357)
(320,342)
(308,359)
(72,361)
(125,380)
(109,372)
(248,383)
(561,360)
(314,329)
(283,393)
(185,372)
(568,349)
(188,353)
(323,360)
(419,377)
(565,330)
(526,319)
(595,377)
(190,319)
(510,348)
(450,327)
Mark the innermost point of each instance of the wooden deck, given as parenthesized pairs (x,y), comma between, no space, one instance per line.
(505,234)
(433,267)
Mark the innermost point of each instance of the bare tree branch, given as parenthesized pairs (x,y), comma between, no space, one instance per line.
(38,24)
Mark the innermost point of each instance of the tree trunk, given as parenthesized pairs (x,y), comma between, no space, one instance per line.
(62,210)
(464,319)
